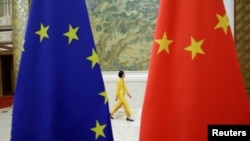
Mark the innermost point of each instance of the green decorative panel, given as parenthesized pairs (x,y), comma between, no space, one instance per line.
(242,38)
(123,32)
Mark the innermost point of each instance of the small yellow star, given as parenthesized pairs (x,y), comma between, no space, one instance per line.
(104,94)
(98,129)
(42,32)
(71,34)
(195,47)
(93,58)
(223,22)
(164,43)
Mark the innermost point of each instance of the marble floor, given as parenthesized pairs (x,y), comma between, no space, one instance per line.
(119,125)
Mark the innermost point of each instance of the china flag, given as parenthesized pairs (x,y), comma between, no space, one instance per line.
(194,77)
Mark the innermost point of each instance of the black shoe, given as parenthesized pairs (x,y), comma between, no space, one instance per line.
(111,117)
(129,119)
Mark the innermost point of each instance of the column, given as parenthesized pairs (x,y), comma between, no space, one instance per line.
(20,9)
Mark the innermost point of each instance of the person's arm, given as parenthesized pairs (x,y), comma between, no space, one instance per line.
(126,90)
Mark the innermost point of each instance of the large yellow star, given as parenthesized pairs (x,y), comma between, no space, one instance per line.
(93,58)
(104,94)
(195,47)
(164,43)
(42,32)
(98,129)
(71,34)
(223,22)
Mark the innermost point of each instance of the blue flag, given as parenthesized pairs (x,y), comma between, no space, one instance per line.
(60,93)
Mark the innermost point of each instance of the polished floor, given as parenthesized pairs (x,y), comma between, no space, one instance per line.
(122,130)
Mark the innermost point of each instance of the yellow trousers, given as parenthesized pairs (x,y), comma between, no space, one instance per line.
(122,102)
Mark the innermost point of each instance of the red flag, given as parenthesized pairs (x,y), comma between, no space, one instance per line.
(194,76)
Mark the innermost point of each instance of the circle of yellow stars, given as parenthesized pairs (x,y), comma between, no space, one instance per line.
(195,46)
(72,35)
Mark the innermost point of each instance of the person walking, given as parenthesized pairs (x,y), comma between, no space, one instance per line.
(121,91)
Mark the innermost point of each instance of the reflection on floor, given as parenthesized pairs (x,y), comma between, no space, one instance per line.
(122,130)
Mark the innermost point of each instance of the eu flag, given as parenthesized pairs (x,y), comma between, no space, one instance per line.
(60,93)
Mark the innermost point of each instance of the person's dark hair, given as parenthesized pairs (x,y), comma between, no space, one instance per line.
(120,74)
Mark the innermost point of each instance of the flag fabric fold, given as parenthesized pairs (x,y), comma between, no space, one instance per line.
(60,93)
(194,77)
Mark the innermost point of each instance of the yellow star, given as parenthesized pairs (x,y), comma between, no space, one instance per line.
(43,32)
(164,43)
(195,47)
(71,34)
(223,22)
(93,58)
(104,94)
(98,129)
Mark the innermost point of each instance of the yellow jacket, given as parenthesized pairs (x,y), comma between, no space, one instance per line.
(121,88)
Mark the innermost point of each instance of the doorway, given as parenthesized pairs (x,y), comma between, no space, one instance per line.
(6,75)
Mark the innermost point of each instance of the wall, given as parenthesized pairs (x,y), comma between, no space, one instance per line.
(229,5)
(123,32)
